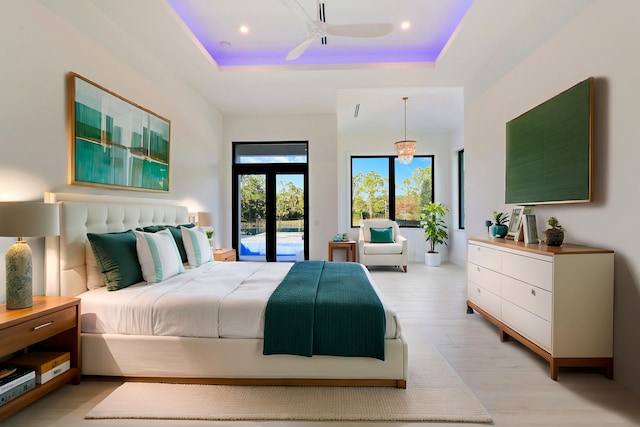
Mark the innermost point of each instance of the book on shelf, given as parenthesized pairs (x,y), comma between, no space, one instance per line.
(52,373)
(18,377)
(47,364)
(17,390)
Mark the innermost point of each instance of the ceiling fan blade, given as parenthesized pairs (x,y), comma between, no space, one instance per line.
(299,50)
(358,30)
(298,10)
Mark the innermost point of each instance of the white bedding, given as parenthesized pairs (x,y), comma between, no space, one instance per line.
(215,300)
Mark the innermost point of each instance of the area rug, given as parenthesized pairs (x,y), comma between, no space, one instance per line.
(434,393)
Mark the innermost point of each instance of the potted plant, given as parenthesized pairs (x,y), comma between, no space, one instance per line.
(499,227)
(435,230)
(210,236)
(554,236)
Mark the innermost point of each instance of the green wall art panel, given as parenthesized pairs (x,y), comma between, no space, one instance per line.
(114,142)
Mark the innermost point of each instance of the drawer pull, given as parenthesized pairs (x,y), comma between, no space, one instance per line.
(533,292)
(44,325)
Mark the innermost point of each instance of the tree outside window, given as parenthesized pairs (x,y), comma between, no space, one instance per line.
(382,187)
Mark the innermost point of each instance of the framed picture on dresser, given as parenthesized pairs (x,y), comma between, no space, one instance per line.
(114,142)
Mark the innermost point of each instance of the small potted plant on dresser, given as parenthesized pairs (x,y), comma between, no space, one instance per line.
(435,231)
(499,227)
(554,236)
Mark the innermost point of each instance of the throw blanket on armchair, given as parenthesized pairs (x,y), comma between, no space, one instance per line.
(325,308)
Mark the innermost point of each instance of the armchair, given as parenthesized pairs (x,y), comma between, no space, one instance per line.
(373,253)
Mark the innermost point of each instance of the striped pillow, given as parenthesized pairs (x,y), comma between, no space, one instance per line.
(158,255)
(197,246)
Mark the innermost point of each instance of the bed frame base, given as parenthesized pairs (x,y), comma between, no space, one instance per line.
(311,382)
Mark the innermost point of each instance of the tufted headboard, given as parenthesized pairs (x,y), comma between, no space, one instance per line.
(65,271)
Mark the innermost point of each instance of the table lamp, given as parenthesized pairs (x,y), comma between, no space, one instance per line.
(24,219)
(205,222)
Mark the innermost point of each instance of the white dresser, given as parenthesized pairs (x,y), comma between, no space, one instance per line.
(557,301)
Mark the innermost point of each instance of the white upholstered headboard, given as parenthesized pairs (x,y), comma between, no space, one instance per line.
(65,271)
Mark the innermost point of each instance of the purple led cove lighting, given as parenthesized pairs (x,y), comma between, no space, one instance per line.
(451,13)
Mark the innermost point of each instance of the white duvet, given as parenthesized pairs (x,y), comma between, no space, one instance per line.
(215,300)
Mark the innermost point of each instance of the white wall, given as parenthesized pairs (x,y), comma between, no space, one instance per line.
(359,144)
(601,42)
(38,51)
(457,236)
(321,133)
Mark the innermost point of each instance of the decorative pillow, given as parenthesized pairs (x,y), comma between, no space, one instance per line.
(116,258)
(94,278)
(381,235)
(197,246)
(177,236)
(158,256)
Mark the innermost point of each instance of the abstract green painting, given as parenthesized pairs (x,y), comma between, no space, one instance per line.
(114,142)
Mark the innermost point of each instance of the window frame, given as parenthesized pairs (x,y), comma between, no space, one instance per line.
(461,163)
(392,183)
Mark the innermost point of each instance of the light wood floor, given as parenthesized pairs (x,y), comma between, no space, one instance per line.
(511,382)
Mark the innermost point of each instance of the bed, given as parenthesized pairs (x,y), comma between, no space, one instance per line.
(151,349)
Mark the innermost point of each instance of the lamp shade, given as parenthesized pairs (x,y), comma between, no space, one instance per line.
(204,219)
(29,219)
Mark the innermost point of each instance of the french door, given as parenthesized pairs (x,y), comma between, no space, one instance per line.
(270,211)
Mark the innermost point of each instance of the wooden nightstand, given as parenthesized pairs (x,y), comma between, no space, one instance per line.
(224,254)
(53,324)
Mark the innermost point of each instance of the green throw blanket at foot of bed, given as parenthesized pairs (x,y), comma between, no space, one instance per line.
(325,308)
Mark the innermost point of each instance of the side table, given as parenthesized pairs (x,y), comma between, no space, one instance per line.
(348,246)
(224,254)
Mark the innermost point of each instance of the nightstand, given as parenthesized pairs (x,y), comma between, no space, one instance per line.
(224,254)
(53,324)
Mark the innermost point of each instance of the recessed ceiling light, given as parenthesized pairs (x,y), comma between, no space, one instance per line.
(405,25)
(244,29)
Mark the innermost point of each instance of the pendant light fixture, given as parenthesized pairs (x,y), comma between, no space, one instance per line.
(405,148)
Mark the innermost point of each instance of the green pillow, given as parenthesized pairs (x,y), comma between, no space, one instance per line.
(381,235)
(117,258)
(177,236)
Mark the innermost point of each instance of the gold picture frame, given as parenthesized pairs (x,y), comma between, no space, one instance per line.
(113,142)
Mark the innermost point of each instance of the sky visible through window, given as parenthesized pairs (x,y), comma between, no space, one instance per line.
(381,165)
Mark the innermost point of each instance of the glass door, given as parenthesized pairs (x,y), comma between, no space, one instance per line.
(253,217)
(290,222)
(269,201)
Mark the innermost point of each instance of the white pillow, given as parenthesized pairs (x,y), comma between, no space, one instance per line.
(197,246)
(158,255)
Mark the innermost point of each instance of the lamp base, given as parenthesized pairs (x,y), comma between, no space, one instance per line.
(19,282)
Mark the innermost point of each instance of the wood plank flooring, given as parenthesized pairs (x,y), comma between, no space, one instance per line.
(511,382)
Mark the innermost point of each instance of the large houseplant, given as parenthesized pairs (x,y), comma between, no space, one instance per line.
(435,230)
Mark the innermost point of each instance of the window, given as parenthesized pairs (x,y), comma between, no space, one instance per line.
(382,187)
(461,189)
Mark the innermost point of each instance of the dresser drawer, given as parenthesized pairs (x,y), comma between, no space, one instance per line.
(534,328)
(484,299)
(529,270)
(536,300)
(484,277)
(35,330)
(485,257)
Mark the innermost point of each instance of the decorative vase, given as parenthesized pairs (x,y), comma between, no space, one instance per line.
(498,230)
(553,237)
(432,259)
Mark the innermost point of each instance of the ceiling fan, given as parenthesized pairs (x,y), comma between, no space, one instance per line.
(318,29)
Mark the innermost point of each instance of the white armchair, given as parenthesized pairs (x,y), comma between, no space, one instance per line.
(394,253)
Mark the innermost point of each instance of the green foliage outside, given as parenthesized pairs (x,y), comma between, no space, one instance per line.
(371,196)
(253,202)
